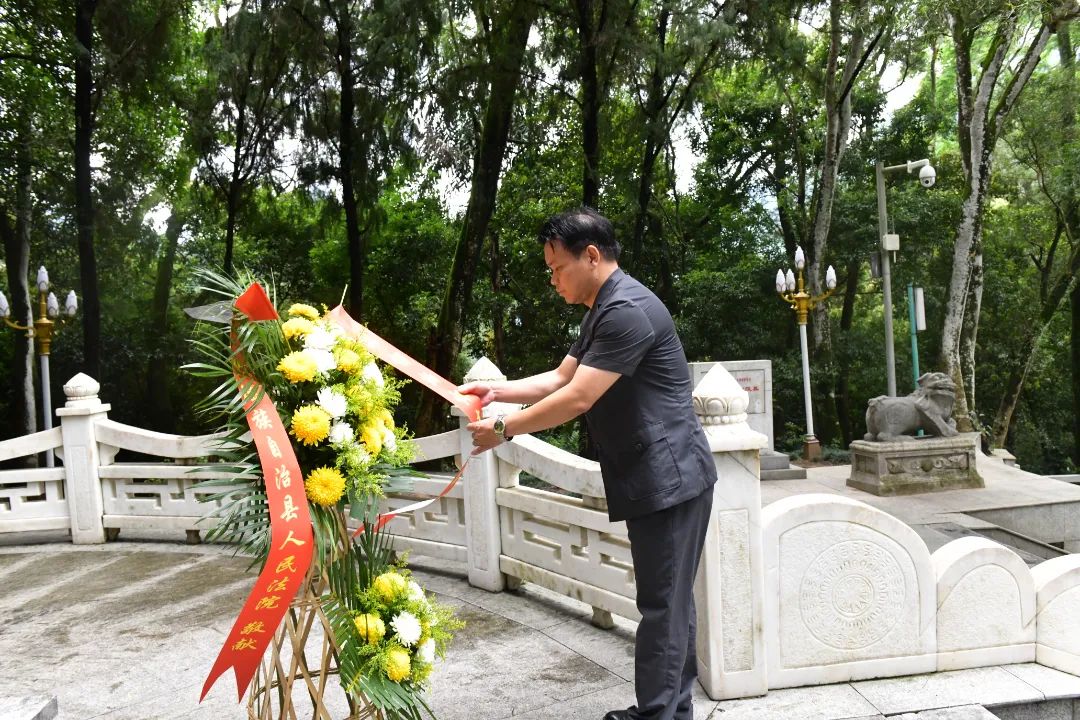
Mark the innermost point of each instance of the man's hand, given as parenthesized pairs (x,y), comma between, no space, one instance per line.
(483,432)
(482,390)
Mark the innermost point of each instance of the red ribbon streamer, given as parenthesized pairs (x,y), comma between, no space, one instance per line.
(468,404)
(291,540)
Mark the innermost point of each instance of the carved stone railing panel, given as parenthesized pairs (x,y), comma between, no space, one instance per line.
(33,499)
(558,534)
(443,521)
(165,491)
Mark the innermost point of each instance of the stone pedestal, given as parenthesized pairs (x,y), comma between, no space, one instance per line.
(918,465)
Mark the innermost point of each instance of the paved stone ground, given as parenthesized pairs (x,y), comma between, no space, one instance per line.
(129,630)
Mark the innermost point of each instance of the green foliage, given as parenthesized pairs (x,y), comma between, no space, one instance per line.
(173,78)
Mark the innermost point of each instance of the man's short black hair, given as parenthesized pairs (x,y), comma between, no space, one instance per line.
(577,229)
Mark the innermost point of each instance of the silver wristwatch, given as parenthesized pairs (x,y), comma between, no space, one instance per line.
(500,428)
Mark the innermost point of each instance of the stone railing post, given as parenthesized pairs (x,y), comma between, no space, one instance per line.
(483,530)
(730,585)
(82,484)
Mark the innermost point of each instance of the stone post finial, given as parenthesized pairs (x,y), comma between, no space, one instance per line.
(721,404)
(484,369)
(81,390)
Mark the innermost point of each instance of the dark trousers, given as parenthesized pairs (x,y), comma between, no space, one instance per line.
(666,547)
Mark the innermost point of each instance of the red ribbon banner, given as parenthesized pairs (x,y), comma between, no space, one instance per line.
(291,540)
(468,404)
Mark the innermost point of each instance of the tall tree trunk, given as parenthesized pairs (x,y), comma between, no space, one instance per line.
(236,181)
(17,260)
(346,150)
(1074,353)
(969,334)
(1064,286)
(843,373)
(655,134)
(590,102)
(157,376)
(1072,214)
(838,122)
(498,331)
(837,127)
(980,118)
(444,343)
(232,203)
(84,198)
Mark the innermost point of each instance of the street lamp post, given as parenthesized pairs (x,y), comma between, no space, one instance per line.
(891,243)
(792,290)
(42,331)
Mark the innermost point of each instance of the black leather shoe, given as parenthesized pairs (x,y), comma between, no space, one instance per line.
(618,715)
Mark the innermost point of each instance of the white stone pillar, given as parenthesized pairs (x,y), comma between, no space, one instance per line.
(82,485)
(730,585)
(483,541)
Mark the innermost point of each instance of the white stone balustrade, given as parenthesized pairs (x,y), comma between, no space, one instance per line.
(812,589)
(729,594)
(985,605)
(849,593)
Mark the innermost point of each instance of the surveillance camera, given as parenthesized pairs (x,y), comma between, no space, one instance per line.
(927,175)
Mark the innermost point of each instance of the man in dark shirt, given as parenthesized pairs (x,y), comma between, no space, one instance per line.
(627,373)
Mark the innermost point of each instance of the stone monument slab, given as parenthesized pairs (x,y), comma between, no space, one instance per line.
(755,377)
(917,465)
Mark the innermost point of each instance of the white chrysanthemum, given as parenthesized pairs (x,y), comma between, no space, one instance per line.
(320,338)
(341,432)
(389,439)
(406,628)
(324,359)
(371,372)
(416,592)
(426,651)
(332,402)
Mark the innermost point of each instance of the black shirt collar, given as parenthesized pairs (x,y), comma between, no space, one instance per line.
(608,287)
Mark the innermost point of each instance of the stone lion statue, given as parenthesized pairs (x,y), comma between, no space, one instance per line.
(930,408)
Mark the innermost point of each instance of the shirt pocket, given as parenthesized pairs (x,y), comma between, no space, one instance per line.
(648,464)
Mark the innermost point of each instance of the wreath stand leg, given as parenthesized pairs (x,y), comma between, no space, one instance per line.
(285,672)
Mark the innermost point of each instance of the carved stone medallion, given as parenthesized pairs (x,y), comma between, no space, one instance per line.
(852,594)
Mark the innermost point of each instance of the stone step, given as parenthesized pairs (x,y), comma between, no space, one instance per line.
(1062,709)
(772,460)
(34,707)
(959,712)
(792,473)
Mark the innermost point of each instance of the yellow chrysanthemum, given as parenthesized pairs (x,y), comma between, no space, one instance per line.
(324,486)
(370,627)
(397,664)
(304,311)
(386,418)
(373,436)
(390,585)
(298,367)
(310,424)
(296,327)
(348,361)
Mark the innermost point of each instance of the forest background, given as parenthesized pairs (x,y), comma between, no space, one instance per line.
(402,154)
